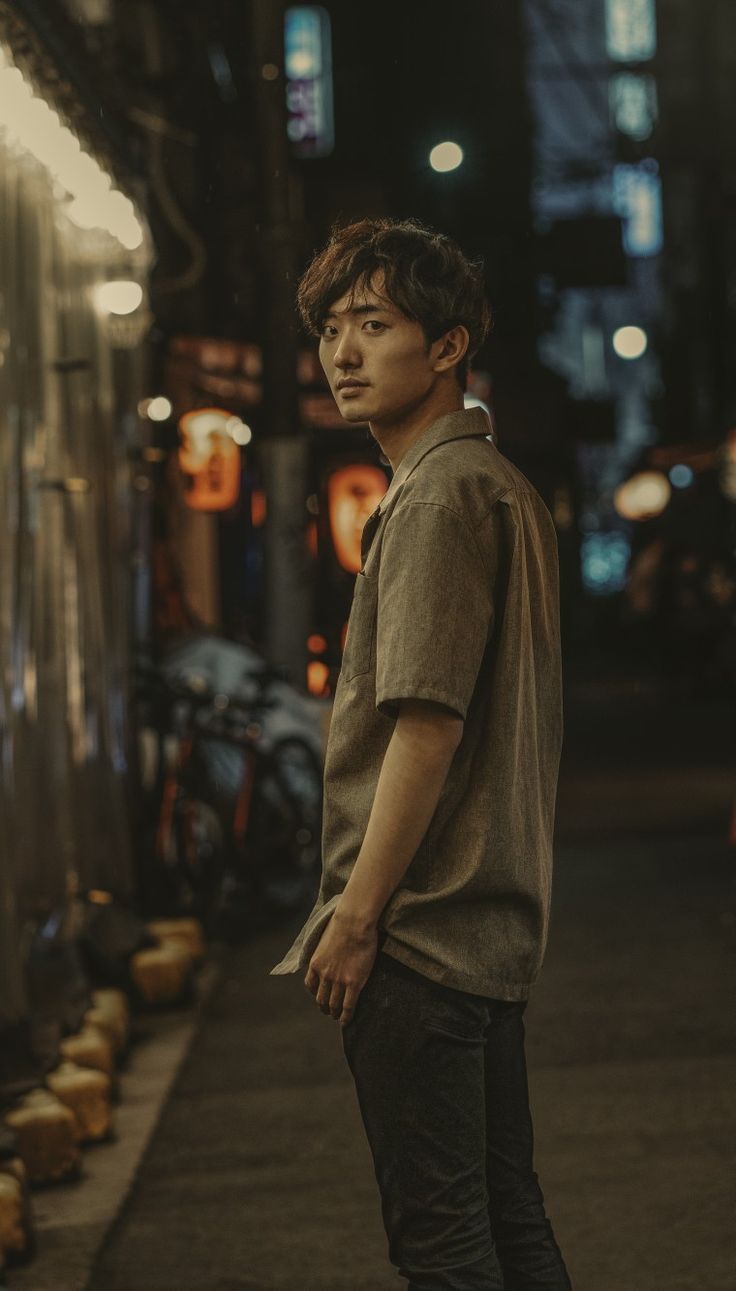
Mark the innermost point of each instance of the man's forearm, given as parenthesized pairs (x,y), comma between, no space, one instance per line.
(414,770)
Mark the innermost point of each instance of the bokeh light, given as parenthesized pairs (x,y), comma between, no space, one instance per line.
(239,431)
(119,296)
(642,497)
(446,156)
(159,409)
(681,476)
(630,342)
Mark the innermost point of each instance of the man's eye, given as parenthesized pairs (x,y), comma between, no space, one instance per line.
(327,331)
(373,322)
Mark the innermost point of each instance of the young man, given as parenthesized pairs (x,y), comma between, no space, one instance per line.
(440,773)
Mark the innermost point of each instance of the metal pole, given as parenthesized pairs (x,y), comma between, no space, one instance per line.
(283,447)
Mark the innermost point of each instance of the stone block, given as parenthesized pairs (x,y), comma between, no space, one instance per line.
(110,1012)
(90,1047)
(162,974)
(187,933)
(16,1219)
(46,1134)
(87,1094)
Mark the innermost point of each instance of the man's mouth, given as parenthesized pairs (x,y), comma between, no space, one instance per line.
(348,384)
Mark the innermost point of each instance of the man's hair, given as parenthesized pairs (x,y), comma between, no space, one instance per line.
(426,276)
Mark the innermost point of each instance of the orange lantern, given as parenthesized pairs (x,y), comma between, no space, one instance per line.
(312,542)
(317,677)
(258,508)
(353,493)
(209,455)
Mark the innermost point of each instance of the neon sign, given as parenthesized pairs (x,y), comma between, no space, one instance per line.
(308,66)
(353,493)
(211,458)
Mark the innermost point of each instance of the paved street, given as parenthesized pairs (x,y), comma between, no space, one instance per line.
(259,1177)
(270,276)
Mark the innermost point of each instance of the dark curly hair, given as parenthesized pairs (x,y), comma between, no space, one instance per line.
(426,276)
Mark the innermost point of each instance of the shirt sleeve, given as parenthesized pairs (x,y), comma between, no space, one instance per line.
(435,609)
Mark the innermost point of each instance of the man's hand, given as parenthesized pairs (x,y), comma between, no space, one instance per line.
(341,965)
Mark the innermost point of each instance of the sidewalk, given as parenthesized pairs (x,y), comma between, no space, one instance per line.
(259,1178)
(72,1219)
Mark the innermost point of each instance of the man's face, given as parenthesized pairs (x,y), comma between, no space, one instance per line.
(376,359)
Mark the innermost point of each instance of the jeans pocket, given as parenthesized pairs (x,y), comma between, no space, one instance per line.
(464,1018)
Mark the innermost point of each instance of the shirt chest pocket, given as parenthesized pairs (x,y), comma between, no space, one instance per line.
(359,643)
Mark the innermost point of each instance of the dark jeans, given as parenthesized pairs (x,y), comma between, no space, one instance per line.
(442,1089)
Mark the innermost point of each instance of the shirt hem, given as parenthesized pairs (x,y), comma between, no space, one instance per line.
(388,700)
(493,987)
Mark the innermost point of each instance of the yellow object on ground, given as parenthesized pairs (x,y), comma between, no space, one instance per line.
(187,933)
(16,1221)
(90,1047)
(87,1094)
(46,1133)
(163,974)
(110,1012)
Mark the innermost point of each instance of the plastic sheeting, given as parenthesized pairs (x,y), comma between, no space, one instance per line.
(65,548)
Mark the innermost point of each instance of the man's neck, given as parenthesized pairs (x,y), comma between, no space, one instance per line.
(396,437)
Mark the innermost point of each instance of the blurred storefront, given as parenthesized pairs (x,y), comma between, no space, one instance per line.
(74,259)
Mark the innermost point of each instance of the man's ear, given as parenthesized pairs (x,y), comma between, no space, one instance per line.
(451,348)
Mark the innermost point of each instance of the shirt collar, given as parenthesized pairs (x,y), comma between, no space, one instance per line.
(453,425)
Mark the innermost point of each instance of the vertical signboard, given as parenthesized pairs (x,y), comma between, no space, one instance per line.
(210,457)
(308,65)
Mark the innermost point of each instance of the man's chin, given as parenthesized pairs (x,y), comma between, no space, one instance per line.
(356,416)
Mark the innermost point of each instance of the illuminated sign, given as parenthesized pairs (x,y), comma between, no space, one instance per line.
(353,493)
(308,66)
(209,455)
(631,30)
(637,197)
(633,101)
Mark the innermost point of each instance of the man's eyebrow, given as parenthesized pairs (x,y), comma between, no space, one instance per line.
(359,309)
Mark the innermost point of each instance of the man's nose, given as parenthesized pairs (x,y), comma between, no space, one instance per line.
(347,353)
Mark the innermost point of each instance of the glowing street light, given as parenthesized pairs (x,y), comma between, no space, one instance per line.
(643,496)
(239,431)
(28,122)
(159,408)
(630,342)
(119,296)
(446,156)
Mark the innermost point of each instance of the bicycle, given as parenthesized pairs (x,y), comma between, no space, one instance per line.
(183,836)
(273,841)
(234,864)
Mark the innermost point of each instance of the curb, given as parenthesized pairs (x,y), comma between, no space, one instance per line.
(72,1220)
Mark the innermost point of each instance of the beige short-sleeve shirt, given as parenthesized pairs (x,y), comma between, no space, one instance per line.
(457,602)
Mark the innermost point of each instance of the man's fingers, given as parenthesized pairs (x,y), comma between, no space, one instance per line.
(336,999)
(323,995)
(333,998)
(348,1005)
(320,988)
